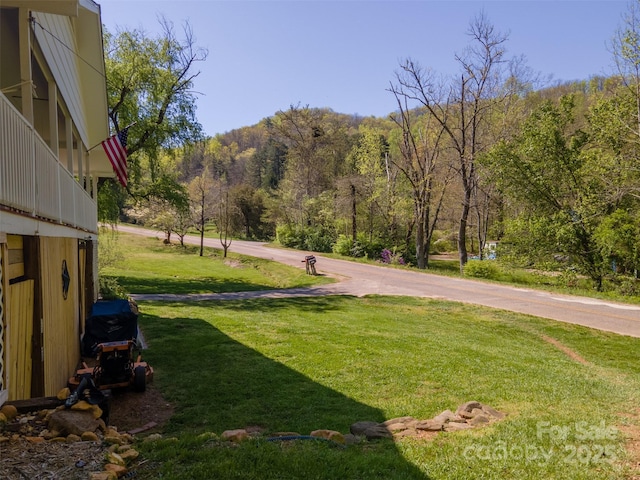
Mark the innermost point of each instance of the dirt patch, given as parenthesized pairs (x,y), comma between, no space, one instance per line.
(570,353)
(132,410)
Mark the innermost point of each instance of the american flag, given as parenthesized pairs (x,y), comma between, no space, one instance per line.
(116,149)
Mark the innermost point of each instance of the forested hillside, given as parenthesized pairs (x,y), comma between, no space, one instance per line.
(550,172)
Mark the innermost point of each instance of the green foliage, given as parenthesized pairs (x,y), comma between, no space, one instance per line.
(487,269)
(314,239)
(343,246)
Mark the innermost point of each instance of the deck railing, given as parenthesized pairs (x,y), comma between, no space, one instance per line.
(33,181)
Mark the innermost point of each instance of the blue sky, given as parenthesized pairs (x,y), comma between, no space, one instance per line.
(267,55)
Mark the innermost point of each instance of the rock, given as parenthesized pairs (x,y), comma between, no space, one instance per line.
(329,435)
(103,476)
(64,393)
(154,437)
(351,439)
(359,428)
(394,421)
(409,432)
(3,419)
(113,440)
(431,425)
(456,426)
(397,427)
(34,439)
(72,422)
(73,438)
(492,412)
(115,458)
(468,407)
(480,419)
(119,470)
(444,417)
(376,432)
(207,436)
(89,437)
(235,436)
(9,411)
(58,439)
(129,455)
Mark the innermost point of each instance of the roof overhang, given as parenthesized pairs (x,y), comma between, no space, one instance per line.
(68,8)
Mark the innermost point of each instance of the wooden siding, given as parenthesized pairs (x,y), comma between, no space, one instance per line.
(60,316)
(20,331)
(63,63)
(15,257)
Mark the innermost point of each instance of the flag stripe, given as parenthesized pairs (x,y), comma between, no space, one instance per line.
(117,153)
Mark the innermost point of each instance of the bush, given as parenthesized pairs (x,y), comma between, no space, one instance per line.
(314,239)
(343,246)
(482,269)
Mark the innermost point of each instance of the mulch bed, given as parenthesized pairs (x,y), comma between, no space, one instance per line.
(20,459)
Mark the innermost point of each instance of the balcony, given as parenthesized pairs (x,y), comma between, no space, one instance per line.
(32,180)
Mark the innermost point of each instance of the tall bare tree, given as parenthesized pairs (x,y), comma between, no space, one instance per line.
(420,162)
(463,107)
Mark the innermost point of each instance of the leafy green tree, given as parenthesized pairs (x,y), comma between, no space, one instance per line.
(547,170)
(150,86)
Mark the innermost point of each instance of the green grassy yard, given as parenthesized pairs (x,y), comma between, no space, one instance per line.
(302,364)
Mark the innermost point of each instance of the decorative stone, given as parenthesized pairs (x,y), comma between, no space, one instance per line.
(71,421)
(329,435)
(492,412)
(396,427)
(34,439)
(89,437)
(394,421)
(64,394)
(119,470)
(480,419)
(409,432)
(359,428)
(113,440)
(115,459)
(444,417)
(455,426)
(129,455)
(9,411)
(468,407)
(73,438)
(376,432)
(103,476)
(234,436)
(351,439)
(431,425)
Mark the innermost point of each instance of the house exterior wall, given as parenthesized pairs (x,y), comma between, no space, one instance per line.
(53,110)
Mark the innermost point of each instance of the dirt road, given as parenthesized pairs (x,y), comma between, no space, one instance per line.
(359,279)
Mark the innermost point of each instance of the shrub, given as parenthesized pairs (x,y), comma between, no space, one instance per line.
(343,245)
(482,269)
(392,258)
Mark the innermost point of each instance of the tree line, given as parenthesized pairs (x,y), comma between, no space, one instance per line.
(552,173)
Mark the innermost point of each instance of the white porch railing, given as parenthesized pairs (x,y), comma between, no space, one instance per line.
(32,180)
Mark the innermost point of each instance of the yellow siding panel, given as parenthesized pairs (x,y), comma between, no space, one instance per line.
(61,332)
(20,330)
(15,257)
